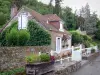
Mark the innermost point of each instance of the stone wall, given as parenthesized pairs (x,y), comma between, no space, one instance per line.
(67,70)
(14,57)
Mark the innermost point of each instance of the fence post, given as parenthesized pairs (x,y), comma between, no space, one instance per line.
(39,53)
(61,61)
(81,51)
(72,52)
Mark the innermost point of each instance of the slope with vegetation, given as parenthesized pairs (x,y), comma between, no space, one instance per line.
(86,21)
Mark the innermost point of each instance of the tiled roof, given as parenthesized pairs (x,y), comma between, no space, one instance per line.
(42,19)
(52,17)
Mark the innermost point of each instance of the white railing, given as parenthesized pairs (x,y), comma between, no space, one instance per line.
(76,53)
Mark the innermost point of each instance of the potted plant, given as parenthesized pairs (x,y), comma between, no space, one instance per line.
(38,64)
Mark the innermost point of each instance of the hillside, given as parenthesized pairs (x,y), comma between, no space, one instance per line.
(72,21)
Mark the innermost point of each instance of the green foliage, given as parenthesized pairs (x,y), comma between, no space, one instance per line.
(4,11)
(69,19)
(93,51)
(38,36)
(57,9)
(2,19)
(12,38)
(76,38)
(23,37)
(97,35)
(7,31)
(39,6)
(33,58)
(86,37)
(44,57)
(13,72)
(90,20)
(86,43)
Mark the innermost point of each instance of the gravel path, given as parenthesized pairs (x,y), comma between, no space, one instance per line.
(93,68)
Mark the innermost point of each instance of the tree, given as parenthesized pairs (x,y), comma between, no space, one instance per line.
(50,3)
(90,20)
(18,3)
(97,35)
(57,9)
(4,11)
(69,18)
(80,22)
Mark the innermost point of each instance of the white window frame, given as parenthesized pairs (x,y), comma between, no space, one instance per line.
(58,51)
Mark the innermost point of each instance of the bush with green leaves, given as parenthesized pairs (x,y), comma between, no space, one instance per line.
(12,38)
(86,43)
(97,35)
(23,37)
(44,57)
(4,34)
(38,35)
(13,72)
(33,58)
(92,50)
(84,39)
(76,38)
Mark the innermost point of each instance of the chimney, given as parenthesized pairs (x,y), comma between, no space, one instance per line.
(13,10)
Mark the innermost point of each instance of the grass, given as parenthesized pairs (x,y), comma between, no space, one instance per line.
(17,71)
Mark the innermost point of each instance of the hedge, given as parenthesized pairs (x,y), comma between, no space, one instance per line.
(84,39)
(38,35)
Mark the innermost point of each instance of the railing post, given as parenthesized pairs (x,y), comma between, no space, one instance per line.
(61,61)
(72,53)
(81,51)
(52,53)
(39,53)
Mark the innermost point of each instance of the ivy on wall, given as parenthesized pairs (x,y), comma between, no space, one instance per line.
(33,36)
(38,36)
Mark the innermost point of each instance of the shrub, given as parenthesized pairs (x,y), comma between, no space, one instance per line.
(2,18)
(33,58)
(97,35)
(86,43)
(12,37)
(85,37)
(13,72)
(24,36)
(93,51)
(44,57)
(76,38)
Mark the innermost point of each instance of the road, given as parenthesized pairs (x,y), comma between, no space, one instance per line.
(90,69)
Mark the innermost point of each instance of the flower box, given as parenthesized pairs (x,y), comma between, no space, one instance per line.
(39,68)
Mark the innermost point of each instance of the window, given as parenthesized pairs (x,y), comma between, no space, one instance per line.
(22,21)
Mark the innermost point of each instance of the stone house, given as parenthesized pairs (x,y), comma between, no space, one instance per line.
(61,39)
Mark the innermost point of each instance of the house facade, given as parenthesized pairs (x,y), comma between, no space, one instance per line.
(61,39)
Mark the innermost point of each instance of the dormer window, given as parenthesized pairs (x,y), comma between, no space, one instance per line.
(61,26)
(22,21)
